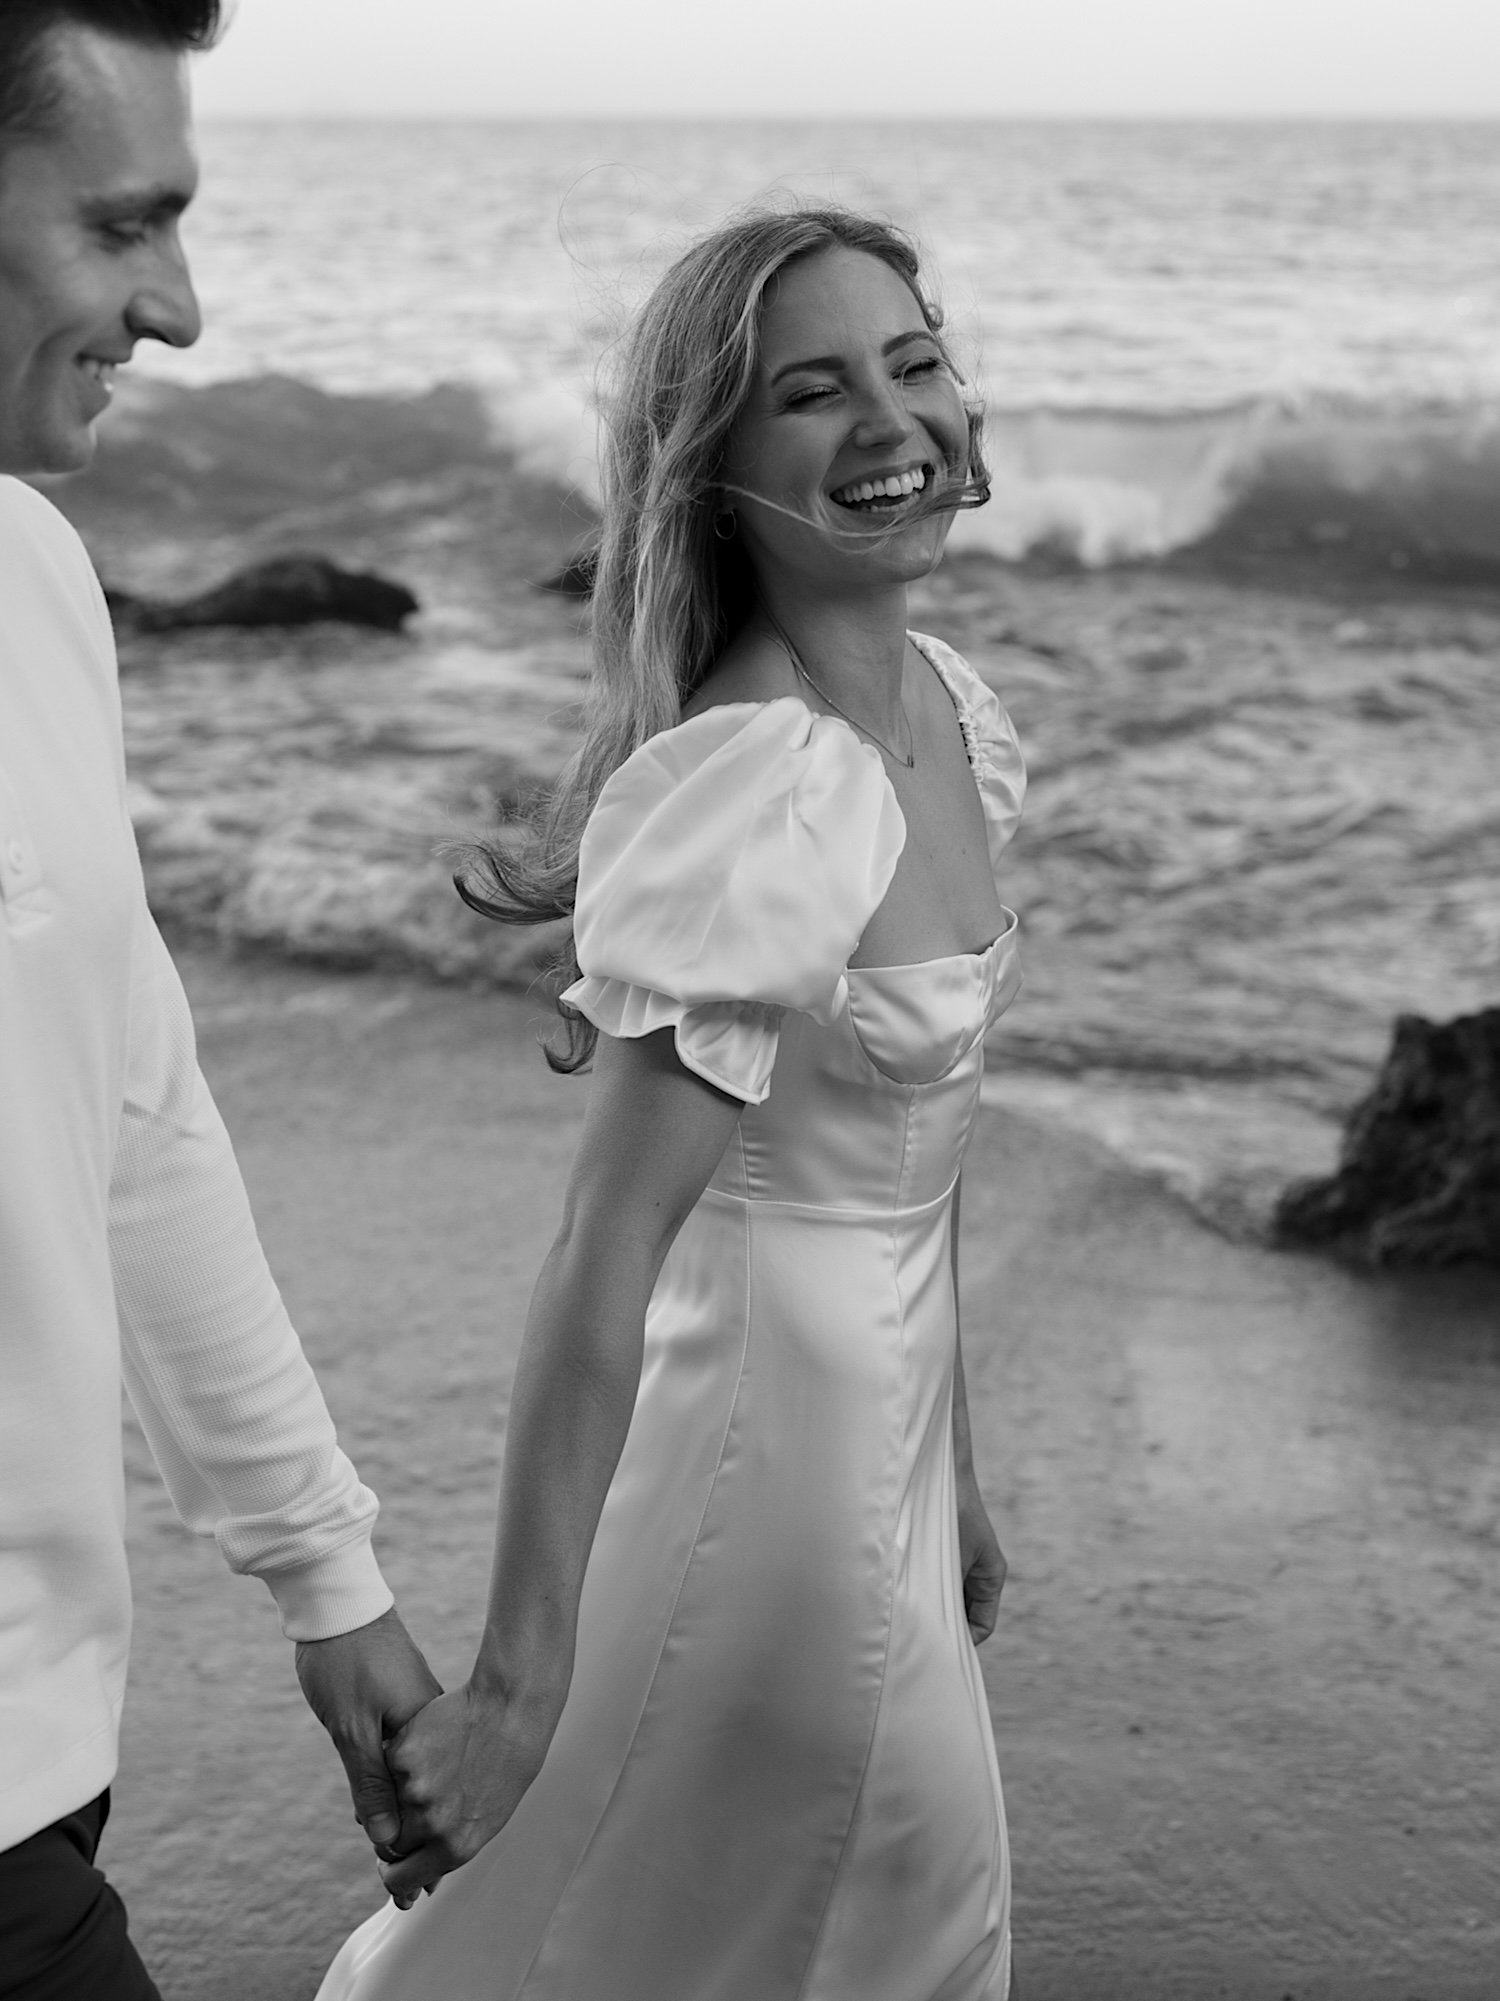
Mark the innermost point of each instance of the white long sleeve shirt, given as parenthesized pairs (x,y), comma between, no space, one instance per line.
(126,1242)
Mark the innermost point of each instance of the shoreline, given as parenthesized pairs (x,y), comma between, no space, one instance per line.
(1256,830)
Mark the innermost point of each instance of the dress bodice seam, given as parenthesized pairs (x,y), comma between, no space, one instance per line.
(912,1085)
(894,1212)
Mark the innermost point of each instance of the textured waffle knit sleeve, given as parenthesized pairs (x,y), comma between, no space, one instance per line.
(213,1366)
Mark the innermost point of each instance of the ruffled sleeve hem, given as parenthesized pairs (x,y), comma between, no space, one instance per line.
(730,1044)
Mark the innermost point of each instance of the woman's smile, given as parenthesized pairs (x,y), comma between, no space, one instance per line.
(882,492)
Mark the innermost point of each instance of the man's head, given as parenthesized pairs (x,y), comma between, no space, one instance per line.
(96,167)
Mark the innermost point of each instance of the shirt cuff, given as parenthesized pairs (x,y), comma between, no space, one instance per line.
(335,1594)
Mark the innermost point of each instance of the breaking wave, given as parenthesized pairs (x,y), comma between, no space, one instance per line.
(1346,487)
(237,448)
(1335,486)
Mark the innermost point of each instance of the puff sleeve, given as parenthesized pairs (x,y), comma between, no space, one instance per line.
(727,873)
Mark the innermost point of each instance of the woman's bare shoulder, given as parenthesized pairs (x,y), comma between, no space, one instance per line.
(752,668)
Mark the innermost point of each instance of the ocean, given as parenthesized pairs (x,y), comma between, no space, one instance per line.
(1239,580)
(1160,315)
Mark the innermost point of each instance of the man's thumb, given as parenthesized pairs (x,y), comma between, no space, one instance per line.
(374,1795)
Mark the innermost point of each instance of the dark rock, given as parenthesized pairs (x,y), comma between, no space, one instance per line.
(1418,1180)
(288,590)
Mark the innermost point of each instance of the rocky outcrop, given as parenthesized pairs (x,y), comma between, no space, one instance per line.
(1418,1180)
(288,590)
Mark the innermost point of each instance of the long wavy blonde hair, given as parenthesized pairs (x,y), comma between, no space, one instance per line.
(668,593)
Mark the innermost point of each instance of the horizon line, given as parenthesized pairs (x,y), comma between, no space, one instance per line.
(573,116)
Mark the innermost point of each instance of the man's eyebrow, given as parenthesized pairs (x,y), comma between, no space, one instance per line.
(161,203)
(835,361)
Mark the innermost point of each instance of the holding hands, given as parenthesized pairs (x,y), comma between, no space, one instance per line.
(363,1687)
(461,1767)
(432,1776)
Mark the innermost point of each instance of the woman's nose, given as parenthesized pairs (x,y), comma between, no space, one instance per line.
(883,418)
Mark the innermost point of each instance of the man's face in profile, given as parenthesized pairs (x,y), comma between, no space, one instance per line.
(90,257)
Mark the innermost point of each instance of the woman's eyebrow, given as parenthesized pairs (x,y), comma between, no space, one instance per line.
(836,361)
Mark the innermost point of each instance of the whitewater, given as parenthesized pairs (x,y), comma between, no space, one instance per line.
(1237,581)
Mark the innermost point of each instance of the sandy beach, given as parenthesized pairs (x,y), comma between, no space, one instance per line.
(1243,1680)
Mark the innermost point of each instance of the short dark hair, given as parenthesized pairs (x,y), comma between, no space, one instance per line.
(28,91)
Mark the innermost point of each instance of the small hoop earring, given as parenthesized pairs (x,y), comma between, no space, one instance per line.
(726,514)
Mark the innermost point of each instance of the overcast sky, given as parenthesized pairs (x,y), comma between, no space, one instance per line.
(921,58)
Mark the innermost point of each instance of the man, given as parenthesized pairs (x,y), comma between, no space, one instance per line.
(125,1237)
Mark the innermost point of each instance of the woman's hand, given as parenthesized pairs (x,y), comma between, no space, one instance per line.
(461,1767)
(981,1561)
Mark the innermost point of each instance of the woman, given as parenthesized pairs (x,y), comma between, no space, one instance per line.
(725,1738)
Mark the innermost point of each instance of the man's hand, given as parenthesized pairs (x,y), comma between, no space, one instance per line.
(363,1687)
(980,1560)
(462,1766)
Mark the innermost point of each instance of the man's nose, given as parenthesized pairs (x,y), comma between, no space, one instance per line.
(165,307)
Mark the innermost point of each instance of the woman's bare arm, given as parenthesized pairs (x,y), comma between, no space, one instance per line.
(652,1136)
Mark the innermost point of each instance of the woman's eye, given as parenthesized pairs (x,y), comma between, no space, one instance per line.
(925,366)
(801,398)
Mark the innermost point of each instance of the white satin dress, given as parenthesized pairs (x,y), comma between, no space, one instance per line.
(774,1778)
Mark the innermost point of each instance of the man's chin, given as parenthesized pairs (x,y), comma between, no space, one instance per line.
(63,453)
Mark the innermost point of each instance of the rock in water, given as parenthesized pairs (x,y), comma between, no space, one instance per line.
(1418,1180)
(288,590)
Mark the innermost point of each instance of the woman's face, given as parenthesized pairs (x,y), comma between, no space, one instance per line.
(853,416)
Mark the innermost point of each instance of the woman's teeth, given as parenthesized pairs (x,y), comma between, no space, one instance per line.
(896,486)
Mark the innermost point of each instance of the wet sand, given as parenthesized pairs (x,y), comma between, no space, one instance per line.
(1243,1684)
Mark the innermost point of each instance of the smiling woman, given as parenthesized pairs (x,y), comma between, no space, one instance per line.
(725,1733)
(783,359)
(96,168)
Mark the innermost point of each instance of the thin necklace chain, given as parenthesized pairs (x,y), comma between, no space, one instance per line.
(908,760)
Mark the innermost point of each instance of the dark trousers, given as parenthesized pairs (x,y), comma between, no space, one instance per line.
(62,1928)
